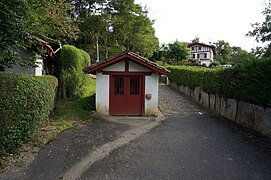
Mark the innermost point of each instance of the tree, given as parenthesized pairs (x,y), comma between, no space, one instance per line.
(224,51)
(116,24)
(195,40)
(50,19)
(178,51)
(21,20)
(236,49)
(161,53)
(262,31)
(241,56)
(12,30)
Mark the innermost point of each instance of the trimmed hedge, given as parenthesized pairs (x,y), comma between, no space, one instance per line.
(250,82)
(73,62)
(25,102)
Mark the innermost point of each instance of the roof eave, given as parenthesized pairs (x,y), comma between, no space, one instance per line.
(97,66)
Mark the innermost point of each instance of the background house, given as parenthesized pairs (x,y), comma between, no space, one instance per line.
(18,69)
(46,63)
(127,85)
(202,53)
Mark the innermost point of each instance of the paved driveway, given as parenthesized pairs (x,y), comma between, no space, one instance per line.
(192,143)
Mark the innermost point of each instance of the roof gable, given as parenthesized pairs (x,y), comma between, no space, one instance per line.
(126,55)
(202,44)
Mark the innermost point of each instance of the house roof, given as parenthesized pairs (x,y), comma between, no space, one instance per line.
(202,44)
(49,47)
(131,56)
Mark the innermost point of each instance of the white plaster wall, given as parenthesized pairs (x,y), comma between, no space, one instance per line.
(209,55)
(151,87)
(212,56)
(35,71)
(39,68)
(17,69)
(120,66)
(206,62)
(102,93)
(134,67)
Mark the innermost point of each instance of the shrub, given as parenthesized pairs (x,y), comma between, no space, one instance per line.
(25,102)
(250,82)
(73,62)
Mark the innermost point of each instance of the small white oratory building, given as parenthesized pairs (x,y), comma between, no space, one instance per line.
(127,85)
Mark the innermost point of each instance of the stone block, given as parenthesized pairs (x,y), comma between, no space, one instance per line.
(263,120)
(197,94)
(174,85)
(212,102)
(187,91)
(223,104)
(192,94)
(245,114)
(258,115)
(204,99)
(217,103)
(181,88)
(230,109)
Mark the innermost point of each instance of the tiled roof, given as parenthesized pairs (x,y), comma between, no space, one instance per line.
(202,44)
(126,54)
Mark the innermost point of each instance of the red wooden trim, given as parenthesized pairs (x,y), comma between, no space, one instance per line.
(110,92)
(106,63)
(121,57)
(125,73)
(126,65)
(143,95)
(146,65)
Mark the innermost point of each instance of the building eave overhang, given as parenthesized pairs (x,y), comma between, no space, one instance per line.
(126,55)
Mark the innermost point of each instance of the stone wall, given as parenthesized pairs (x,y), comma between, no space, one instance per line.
(249,115)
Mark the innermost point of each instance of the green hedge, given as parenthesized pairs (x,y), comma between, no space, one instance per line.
(73,62)
(25,101)
(250,82)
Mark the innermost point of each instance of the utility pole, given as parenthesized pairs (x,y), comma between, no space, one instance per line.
(97,46)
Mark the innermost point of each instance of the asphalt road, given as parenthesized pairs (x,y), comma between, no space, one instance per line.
(192,143)
(194,146)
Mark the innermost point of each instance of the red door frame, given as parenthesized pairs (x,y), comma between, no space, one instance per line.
(126,90)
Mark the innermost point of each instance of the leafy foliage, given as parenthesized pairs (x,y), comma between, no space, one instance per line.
(73,62)
(234,55)
(178,51)
(249,81)
(25,102)
(262,31)
(12,30)
(172,53)
(224,51)
(116,25)
(21,20)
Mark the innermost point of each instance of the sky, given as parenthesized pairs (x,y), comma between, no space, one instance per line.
(210,20)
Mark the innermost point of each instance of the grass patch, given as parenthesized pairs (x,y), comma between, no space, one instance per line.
(87,121)
(49,131)
(67,113)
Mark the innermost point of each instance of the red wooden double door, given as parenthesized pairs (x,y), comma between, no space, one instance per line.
(126,95)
